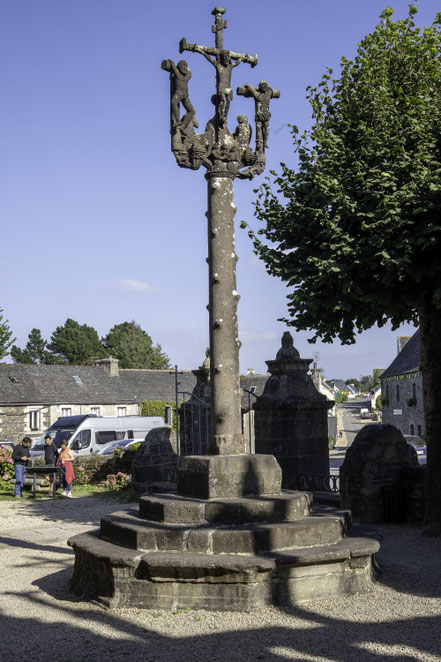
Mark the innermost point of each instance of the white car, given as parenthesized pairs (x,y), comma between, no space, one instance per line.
(419,445)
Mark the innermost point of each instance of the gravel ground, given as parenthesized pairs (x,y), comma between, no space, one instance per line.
(399,620)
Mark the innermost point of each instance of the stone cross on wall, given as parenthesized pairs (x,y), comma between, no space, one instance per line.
(225,155)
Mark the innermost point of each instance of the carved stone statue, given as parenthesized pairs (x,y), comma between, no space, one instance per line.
(262,97)
(180,74)
(224,65)
(243,134)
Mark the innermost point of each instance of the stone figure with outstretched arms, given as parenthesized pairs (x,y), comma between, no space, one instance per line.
(262,97)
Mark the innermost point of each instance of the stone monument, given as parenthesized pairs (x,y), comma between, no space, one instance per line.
(229,539)
(291,417)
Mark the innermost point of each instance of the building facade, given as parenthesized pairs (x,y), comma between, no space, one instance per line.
(402,389)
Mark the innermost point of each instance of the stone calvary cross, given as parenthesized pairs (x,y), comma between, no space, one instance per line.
(225,156)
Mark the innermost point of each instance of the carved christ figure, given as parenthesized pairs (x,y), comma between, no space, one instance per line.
(224,65)
(262,97)
(180,74)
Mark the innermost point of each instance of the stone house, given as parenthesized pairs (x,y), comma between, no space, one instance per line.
(402,389)
(32,397)
(338,385)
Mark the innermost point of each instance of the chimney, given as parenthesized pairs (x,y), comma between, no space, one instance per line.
(401,342)
(110,365)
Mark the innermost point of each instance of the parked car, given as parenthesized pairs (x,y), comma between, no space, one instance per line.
(90,434)
(419,445)
(125,444)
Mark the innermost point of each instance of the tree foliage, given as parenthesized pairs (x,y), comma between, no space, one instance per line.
(355,228)
(34,352)
(6,339)
(357,224)
(133,347)
(75,343)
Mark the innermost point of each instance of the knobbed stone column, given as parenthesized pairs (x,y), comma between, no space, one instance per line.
(226,435)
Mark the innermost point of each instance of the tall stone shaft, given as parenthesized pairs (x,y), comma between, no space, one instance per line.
(226,437)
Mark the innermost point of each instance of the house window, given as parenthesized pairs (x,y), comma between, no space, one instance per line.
(414,390)
(398,392)
(95,410)
(412,429)
(122,411)
(419,430)
(66,411)
(34,420)
(387,390)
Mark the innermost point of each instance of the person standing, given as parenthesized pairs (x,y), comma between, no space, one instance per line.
(65,461)
(21,457)
(50,459)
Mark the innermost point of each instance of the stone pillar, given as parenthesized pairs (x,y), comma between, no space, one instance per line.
(291,420)
(194,414)
(226,437)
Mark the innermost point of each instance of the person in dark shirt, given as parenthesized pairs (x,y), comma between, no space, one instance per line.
(50,459)
(21,457)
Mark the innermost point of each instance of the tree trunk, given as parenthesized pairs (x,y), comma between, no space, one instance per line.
(430,333)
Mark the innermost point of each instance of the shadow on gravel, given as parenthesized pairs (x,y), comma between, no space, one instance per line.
(80,510)
(306,636)
(25,544)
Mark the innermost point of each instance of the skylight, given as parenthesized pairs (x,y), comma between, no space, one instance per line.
(77,379)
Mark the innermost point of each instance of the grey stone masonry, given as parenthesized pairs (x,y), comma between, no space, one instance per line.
(291,418)
(230,554)
(373,465)
(402,402)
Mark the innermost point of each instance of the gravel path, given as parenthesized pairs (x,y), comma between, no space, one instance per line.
(399,621)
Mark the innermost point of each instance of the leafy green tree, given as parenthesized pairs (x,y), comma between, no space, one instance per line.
(6,339)
(134,348)
(355,228)
(35,351)
(354,381)
(74,343)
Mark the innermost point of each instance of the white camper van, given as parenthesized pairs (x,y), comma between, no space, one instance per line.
(89,434)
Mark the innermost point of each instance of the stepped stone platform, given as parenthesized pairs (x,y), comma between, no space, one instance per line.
(239,553)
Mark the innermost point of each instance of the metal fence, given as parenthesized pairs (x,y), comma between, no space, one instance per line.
(194,425)
(318,483)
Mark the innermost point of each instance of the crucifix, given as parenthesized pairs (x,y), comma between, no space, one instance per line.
(224,61)
(225,156)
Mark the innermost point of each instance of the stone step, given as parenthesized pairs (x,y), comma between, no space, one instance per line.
(128,530)
(174,509)
(118,577)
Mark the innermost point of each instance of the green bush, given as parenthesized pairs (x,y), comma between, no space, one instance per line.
(7,469)
(117,481)
(158,407)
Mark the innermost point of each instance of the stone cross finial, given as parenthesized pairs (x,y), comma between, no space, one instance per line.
(219,26)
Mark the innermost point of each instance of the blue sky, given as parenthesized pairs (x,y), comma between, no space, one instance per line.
(98,222)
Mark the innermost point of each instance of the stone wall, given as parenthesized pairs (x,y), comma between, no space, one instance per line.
(155,460)
(378,474)
(403,405)
(12,423)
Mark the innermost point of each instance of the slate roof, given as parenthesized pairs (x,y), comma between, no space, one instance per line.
(408,360)
(22,384)
(341,385)
(55,384)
